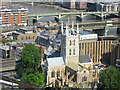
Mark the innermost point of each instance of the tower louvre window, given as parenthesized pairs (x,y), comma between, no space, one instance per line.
(73,51)
(70,52)
(74,42)
(70,42)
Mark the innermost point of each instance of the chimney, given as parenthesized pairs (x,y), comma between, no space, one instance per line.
(41,51)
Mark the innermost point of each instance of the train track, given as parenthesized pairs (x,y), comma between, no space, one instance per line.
(8,62)
(96,24)
(22,84)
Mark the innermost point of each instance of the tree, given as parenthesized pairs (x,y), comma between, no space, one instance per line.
(28,71)
(33,78)
(30,57)
(4,41)
(110,78)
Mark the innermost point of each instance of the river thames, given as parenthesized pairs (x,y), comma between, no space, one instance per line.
(42,9)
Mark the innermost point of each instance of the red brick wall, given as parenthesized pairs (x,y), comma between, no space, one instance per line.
(26,17)
(10,19)
(3,20)
(19,17)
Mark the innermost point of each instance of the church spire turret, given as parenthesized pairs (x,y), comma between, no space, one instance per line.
(66,32)
(62,28)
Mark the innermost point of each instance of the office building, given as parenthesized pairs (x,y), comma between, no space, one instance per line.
(4,52)
(115,53)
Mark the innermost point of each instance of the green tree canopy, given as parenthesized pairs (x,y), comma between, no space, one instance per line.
(33,78)
(110,78)
(28,71)
(30,57)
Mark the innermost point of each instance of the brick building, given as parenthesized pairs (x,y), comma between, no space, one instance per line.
(14,15)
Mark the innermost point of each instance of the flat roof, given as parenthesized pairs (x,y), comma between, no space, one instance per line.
(27,28)
(6,47)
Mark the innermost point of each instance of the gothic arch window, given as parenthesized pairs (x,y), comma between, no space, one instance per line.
(26,37)
(53,73)
(70,42)
(84,78)
(58,73)
(29,37)
(70,52)
(62,72)
(73,51)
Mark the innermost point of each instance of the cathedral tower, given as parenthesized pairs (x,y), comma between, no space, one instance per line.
(70,45)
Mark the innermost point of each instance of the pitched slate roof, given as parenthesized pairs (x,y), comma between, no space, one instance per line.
(42,40)
(84,59)
(54,62)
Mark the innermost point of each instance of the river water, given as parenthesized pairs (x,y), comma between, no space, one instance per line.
(37,9)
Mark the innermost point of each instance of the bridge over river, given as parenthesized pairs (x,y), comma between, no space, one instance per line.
(101,15)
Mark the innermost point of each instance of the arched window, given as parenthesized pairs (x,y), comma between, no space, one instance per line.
(70,42)
(62,72)
(84,79)
(58,73)
(53,73)
(26,37)
(74,42)
(73,51)
(70,52)
(29,37)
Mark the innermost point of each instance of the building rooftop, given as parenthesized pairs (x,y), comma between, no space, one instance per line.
(4,47)
(55,53)
(84,59)
(74,66)
(84,33)
(27,28)
(42,40)
(13,7)
(27,42)
(54,62)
